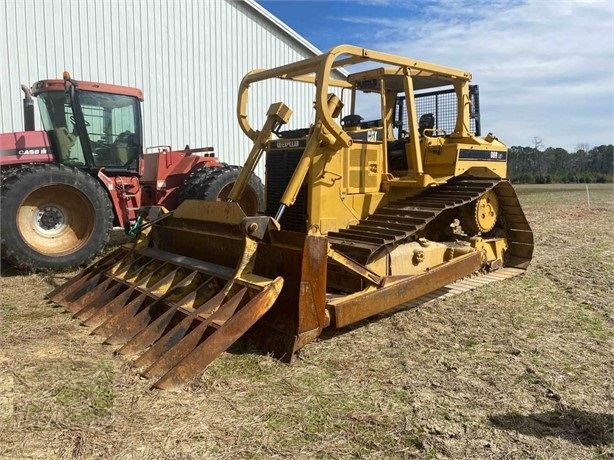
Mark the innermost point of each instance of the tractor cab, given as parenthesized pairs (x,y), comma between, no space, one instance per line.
(92,125)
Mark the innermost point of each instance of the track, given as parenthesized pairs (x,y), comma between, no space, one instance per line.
(410,218)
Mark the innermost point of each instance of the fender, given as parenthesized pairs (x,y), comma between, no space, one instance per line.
(125,194)
(166,170)
(25,147)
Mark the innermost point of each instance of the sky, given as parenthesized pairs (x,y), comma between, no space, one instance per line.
(545,68)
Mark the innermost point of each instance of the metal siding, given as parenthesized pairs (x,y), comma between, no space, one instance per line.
(188,57)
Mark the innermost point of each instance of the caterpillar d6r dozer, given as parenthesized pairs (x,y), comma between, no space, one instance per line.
(362,216)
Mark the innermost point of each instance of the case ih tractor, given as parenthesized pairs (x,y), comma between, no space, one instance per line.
(362,216)
(64,188)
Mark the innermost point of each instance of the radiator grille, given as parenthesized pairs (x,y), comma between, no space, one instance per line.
(280,165)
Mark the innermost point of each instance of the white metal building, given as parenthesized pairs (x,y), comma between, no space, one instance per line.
(188,57)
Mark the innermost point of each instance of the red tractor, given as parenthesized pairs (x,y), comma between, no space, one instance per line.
(64,188)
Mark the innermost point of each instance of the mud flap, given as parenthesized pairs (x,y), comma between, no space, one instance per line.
(174,312)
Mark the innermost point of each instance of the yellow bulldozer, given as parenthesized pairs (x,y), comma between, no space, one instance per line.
(361,217)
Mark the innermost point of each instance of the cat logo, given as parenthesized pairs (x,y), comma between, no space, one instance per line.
(287,144)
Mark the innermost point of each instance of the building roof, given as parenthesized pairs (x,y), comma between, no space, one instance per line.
(282,26)
(299,39)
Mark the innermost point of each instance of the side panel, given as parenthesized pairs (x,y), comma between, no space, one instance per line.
(445,157)
(25,147)
(345,186)
(482,159)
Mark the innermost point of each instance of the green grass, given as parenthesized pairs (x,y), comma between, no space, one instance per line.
(87,401)
(587,320)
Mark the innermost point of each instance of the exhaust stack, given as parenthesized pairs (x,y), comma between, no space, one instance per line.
(28,109)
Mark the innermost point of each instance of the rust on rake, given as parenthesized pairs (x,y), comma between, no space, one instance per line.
(174,313)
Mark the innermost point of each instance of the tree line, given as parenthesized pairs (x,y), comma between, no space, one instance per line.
(535,165)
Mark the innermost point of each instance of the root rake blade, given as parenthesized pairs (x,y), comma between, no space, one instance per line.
(211,337)
(178,313)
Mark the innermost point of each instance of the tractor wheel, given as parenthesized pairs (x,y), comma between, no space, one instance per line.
(52,217)
(214,184)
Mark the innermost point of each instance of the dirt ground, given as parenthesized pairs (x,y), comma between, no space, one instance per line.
(523,368)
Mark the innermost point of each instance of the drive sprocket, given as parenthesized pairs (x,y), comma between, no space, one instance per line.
(483,214)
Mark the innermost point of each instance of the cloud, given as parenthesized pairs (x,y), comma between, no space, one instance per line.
(545,68)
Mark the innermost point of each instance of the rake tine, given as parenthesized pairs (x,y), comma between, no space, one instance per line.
(150,312)
(116,320)
(174,352)
(228,333)
(113,323)
(63,291)
(156,328)
(93,298)
(108,310)
(163,341)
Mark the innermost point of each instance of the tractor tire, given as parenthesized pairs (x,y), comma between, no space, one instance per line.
(214,184)
(52,217)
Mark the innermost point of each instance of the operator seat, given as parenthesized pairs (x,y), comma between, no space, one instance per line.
(426,121)
(351,121)
(124,150)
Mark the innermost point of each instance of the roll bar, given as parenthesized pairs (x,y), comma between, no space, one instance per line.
(318,70)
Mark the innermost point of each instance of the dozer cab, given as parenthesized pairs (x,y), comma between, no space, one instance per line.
(362,216)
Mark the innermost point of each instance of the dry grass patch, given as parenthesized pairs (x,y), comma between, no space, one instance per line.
(516,369)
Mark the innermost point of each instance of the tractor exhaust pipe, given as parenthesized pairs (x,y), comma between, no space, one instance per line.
(28,109)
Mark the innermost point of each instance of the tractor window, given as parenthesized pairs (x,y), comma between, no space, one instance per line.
(112,128)
(112,123)
(59,122)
